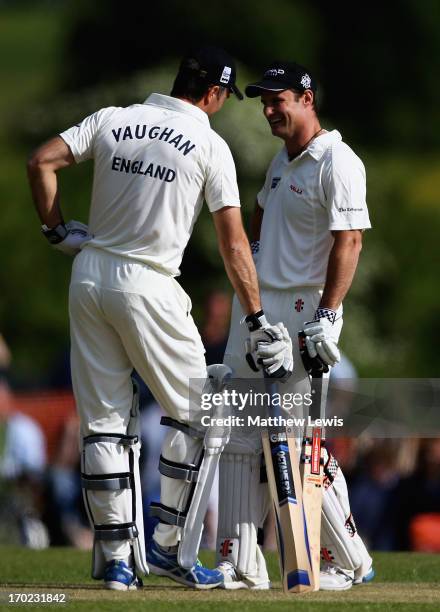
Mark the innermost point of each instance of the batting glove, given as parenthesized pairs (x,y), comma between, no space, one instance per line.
(268,347)
(319,337)
(67,238)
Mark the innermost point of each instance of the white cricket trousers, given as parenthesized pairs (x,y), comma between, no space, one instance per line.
(125,315)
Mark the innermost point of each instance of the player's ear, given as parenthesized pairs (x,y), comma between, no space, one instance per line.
(308,97)
(209,94)
(215,90)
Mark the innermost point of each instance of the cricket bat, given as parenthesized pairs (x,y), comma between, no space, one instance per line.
(284,479)
(312,457)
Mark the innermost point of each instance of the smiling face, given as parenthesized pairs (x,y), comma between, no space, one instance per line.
(286,112)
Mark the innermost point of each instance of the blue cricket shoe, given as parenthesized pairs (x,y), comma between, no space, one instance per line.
(368,577)
(164,563)
(119,577)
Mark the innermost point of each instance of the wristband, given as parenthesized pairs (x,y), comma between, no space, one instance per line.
(325,313)
(255,321)
(56,234)
(255,246)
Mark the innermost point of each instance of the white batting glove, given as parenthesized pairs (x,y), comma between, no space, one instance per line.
(278,354)
(319,337)
(268,347)
(68,238)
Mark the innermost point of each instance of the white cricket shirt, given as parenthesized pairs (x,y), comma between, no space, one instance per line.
(154,164)
(321,190)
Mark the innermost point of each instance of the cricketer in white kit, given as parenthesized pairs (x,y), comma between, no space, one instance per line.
(306,233)
(154,164)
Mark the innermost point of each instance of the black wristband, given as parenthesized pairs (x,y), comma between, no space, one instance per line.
(255,246)
(325,313)
(56,234)
(255,321)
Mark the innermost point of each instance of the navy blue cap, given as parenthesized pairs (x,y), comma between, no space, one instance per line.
(279,76)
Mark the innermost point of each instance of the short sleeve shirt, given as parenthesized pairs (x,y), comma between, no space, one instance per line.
(154,164)
(304,200)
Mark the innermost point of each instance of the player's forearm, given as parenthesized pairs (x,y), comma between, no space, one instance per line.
(42,168)
(241,271)
(341,268)
(44,188)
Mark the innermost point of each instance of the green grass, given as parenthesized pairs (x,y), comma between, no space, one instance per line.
(405,581)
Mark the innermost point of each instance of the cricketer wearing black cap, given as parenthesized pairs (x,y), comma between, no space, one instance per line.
(202,68)
(279,76)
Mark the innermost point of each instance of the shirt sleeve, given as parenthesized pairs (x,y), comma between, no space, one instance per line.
(81,137)
(221,187)
(343,189)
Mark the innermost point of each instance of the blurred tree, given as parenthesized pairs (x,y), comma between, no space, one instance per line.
(393,307)
(379,65)
(107,40)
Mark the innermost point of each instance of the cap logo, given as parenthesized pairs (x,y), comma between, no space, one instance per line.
(306,81)
(274,72)
(226,75)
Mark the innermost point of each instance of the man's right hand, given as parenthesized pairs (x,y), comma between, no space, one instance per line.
(268,347)
(68,238)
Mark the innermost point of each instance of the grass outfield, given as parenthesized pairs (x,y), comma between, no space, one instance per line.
(405,581)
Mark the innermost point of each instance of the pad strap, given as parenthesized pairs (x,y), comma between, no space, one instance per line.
(168,515)
(122,531)
(186,429)
(106,482)
(180,471)
(112,439)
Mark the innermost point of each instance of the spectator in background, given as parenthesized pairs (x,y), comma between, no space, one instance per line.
(65,512)
(22,465)
(416,513)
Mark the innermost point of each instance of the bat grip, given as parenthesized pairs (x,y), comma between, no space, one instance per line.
(314,366)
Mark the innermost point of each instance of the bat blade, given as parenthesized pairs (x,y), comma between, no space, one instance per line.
(283,475)
(312,474)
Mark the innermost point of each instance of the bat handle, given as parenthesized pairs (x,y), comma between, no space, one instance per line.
(314,366)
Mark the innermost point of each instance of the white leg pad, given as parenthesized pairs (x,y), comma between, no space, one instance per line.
(341,544)
(113,499)
(113,496)
(183,452)
(243,506)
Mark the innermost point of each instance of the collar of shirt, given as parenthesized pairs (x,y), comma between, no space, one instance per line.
(180,106)
(317,146)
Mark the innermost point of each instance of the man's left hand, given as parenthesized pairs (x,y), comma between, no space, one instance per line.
(320,341)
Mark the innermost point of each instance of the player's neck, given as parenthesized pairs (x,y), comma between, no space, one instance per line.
(301,140)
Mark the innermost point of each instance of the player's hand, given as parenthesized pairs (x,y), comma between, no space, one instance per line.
(319,338)
(276,356)
(68,238)
(268,347)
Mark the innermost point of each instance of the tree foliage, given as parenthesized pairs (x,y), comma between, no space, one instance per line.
(377,71)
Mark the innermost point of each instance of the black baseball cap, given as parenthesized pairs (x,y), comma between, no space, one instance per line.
(279,76)
(212,65)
